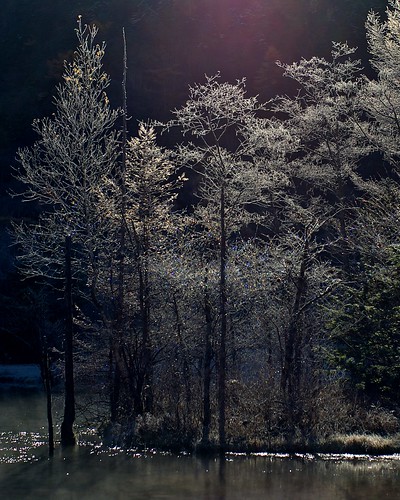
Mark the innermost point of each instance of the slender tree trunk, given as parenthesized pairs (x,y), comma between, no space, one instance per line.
(223,319)
(138,396)
(146,362)
(67,432)
(116,340)
(290,373)
(115,383)
(47,385)
(122,182)
(207,372)
(291,370)
(185,364)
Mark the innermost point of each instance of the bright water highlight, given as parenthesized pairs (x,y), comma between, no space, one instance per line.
(94,472)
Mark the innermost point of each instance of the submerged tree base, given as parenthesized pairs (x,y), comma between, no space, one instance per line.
(68,437)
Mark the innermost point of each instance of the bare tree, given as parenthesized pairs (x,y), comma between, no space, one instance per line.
(215,118)
(325,118)
(381,97)
(144,212)
(77,149)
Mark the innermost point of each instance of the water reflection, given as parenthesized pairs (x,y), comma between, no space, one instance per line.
(89,472)
(93,472)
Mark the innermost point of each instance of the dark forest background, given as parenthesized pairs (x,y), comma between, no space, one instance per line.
(171,44)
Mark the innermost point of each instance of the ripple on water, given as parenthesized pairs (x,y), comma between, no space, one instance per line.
(21,447)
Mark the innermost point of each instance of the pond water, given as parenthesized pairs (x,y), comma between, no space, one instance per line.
(93,472)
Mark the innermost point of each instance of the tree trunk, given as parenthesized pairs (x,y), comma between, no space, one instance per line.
(67,432)
(122,186)
(115,383)
(207,372)
(146,362)
(223,319)
(47,384)
(291,370)
(185,364)
(290,374)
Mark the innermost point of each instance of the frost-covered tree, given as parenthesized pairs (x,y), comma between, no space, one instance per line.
(381,98)
(230,184)
(143,210)
(113,202)
(76,150)
(325,118)
(318,147)
(305,280)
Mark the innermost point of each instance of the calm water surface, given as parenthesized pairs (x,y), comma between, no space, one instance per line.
(94,472)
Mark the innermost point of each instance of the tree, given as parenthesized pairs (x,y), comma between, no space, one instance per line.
(151,191)
(215,117)
(381,97)
(143,211)
(364,325)
(366,332)
(325,118)
(77,149)
(319,144)
(305,283)
(365,319)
